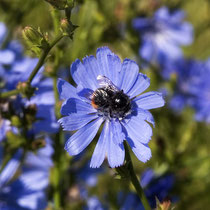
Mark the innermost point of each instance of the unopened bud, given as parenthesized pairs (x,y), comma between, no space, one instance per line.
(15,121)
(67,28)
(165,205)
(14,140)
(35,39)
(26,89)
(38,143)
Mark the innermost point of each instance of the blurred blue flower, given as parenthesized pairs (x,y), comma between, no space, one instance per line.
(93,203)
(18,70)
(162,35)
(107,92)
(192,88)
(153,185)
(22,185)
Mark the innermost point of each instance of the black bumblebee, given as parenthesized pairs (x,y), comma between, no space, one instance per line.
(109,100)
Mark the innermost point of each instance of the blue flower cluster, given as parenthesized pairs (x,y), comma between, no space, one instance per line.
(162,36)
(15,67)
(193,88)
(24,179)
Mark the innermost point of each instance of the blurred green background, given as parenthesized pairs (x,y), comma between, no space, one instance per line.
(179,144)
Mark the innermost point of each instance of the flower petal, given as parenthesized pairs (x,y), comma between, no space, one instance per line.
(129,73)
(6,57)
(138,130)
(141,84)
(92,68)
(146,115)
(115,152)
(101,148)
(82,138)
(80,75)
(75,121)
(103,62)
(117,133)
(11,168)
(65,89)
(142,152)
(74,105)
(114,68)
(150,100)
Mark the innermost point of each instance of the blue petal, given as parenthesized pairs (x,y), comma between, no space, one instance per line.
(115,66)
(10,169)
(33,200)
(117,133)
(115,152)
(6,57)
(142,152)
(101,147)
(92,68)
(84,93)
(146,115)
(75,121)
(74,105)
(150,100)
(102,58)
(148,50)
(82,138)
(80,75)
(66,90)
(3,31)
(138,130)
(34,179)
(147,177)
(141,84)
(129,74)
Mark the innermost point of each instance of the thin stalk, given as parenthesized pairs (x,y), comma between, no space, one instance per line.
(37,67)
(9,93)
(135,180)
(43,56)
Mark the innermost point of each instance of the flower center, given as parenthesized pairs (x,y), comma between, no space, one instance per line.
(111,103)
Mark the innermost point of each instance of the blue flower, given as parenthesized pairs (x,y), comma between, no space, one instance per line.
(162,35)
(154,187)
(107,94)
(192,88)
(26,191)
(18,70)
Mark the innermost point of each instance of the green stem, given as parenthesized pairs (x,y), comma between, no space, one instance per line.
(135,180)
(37,67)
(9,93)
(43,56)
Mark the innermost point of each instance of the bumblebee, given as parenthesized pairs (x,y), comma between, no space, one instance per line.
(109,100)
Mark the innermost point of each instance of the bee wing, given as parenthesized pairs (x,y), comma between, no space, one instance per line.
(103,81)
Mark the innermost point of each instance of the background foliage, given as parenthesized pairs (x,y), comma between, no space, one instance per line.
(179,145)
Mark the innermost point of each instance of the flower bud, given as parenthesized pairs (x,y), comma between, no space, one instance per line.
(15,121)
(26,89)
(67,28)
(38,143)
(35,39)
(14,140)
(165,205)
